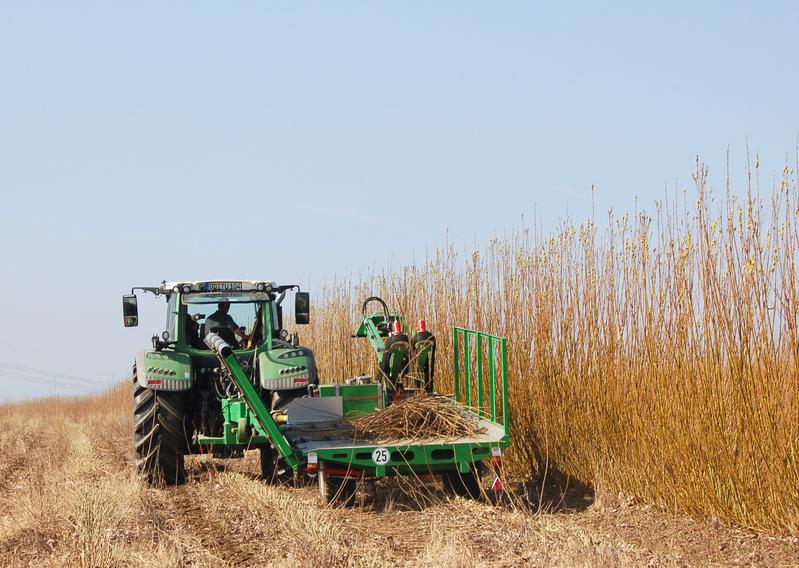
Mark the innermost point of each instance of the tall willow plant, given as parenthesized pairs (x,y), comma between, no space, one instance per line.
(655,354)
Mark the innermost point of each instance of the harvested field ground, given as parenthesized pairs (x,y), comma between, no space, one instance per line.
(68,497)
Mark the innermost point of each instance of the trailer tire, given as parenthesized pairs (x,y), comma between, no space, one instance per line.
(159,434)
(274,469)
(466,485)
(334,489)
(267,464)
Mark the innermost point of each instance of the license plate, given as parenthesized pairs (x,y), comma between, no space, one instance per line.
(222,287)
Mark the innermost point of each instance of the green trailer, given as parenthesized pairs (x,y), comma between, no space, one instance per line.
(253,386)
(321,441)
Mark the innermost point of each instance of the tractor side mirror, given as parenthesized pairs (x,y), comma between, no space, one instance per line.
(130,310)
(302,308)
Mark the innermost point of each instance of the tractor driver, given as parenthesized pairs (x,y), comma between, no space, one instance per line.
(220,322)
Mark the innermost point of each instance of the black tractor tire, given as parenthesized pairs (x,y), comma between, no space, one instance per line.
(336,490)
(268,464)
(466,485)
(159,434)
(280,399)
(274,469)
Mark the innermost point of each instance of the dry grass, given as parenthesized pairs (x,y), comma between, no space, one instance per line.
(417,418)
(68,498)
(654,354)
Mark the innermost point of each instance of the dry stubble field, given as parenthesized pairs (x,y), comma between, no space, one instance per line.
(68,497)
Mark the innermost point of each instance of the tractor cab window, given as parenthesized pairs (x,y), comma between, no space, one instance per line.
(204,316)
(171,315)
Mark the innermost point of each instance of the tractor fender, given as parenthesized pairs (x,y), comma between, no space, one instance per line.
(163,370)
(272,379)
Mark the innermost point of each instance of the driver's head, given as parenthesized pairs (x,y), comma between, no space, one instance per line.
(223,306)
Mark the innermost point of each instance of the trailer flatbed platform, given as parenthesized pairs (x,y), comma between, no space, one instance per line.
(336,442)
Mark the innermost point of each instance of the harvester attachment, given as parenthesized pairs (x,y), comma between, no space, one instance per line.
(250,397)
(404,363)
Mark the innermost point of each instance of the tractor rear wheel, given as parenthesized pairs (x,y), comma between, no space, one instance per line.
(159,434)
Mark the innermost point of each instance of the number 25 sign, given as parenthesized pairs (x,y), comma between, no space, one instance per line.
(381,456)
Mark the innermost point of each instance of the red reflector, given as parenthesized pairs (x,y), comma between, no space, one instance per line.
(497,485)
(311,469)
(421,325)
(342,471)
(154,382)
(396,327)
(300,380)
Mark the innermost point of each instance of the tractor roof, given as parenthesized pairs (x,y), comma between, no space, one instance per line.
(205,286)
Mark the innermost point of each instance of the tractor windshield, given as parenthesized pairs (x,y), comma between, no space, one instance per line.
(209,313)
(242,314)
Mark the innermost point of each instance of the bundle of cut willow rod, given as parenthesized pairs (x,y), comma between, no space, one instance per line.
(416,418)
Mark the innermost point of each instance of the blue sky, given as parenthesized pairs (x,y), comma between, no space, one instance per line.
(296,141)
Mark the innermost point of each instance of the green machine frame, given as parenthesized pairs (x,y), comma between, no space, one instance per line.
(239,423)
(484,395)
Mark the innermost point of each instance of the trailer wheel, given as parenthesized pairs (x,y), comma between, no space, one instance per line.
(159,435)
(267,463)
(368,493)
(274,469)
(465,485)
(334,489)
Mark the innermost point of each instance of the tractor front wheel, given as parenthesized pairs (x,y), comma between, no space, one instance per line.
(159,437)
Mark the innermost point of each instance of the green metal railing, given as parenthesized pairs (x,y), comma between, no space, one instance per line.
(468,346)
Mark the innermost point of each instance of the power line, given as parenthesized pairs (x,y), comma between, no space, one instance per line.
(30,377)
(44,381)
(55,381)
(50,374)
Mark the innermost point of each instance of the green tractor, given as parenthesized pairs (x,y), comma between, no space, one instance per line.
(184,401)
(225,376)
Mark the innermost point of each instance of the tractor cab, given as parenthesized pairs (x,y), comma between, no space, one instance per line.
(246,314)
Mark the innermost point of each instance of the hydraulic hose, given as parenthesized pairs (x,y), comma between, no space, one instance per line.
(379,301)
